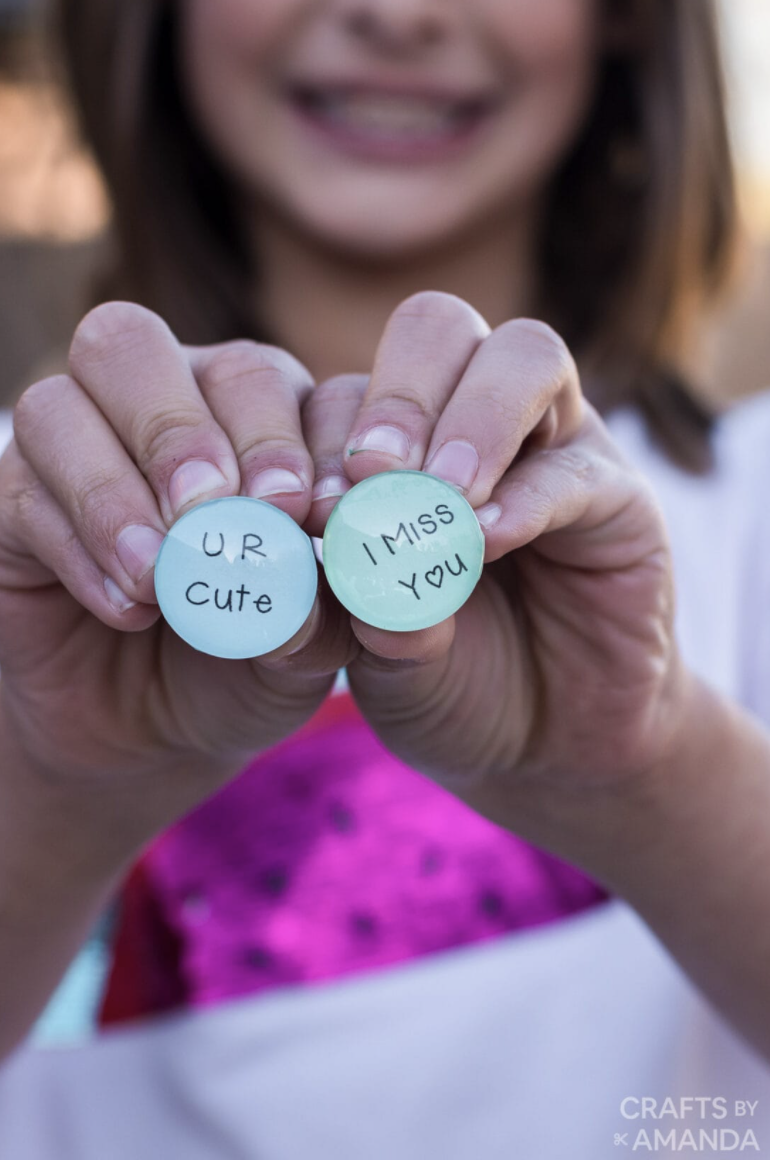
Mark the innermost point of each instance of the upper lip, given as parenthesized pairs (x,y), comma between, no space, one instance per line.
(400,88)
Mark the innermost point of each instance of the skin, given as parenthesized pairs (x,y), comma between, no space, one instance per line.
(338,238)
(541,63)
(599,744)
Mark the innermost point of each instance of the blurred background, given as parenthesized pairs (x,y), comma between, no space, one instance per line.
(54,215)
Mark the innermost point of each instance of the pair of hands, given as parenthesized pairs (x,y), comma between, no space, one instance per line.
(561,671)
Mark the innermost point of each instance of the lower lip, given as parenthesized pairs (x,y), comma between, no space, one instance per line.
(364,144)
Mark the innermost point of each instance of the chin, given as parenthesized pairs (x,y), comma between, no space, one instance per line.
(375,244)
(362,231)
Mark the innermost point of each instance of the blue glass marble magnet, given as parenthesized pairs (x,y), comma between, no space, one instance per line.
(236,577)
(403,550)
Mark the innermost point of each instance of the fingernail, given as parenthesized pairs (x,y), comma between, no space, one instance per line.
(116,596)
(331,488)
(388,440)
(489,514)
(136,548)
(456,462)
(275,481)
(191,480)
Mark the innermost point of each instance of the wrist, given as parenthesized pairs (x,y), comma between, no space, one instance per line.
(613,830)
(56,834)
(90,827)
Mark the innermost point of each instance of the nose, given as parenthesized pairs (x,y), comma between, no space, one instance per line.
(396,26)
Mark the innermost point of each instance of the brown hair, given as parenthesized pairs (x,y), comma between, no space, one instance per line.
(639,229)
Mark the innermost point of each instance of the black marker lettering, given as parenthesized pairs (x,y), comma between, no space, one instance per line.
(427,523)
(394,539)
(197,584)
(369,554)
(435,576)
(414,529)
(228,604)
(252,547)
(221,545)
(441,511)
(460,569)
(242,592)
(413,586)
(264,603)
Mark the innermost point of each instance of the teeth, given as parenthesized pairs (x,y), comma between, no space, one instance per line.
(390,115)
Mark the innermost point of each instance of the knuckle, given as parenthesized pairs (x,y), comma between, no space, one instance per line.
(110,328)
(583,471)
(244,361)
(347,384)
(93,496)
(36,401)
(275,448)
(436,304)
(328,395)
(159,434)
(543,344)
(534,491)
(25,495)
(291,366)
(99,510)
(407,397)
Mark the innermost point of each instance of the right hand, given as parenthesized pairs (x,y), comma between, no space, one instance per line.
(95,685)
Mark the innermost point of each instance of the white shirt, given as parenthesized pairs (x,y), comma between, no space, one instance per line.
(538,1046)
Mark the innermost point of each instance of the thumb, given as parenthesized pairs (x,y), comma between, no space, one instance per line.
(399,682)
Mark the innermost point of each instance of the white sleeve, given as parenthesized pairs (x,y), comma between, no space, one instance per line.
(6,429)
(745,447)
(757,613)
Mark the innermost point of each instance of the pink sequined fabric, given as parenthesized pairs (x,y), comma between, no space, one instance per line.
(329,857)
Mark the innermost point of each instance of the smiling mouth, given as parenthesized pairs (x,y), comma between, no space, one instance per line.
(390,117)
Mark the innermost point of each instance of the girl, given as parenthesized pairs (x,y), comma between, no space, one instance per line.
(377,199)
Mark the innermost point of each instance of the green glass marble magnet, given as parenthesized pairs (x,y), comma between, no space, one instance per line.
(403,550)
(236,577)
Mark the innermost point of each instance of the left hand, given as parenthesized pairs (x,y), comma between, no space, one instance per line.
(562,669)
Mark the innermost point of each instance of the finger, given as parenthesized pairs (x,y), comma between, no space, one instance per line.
(424,350)
(128,361)
(327,417)
(104,498)
(521,384)
(577,504)
(41,531)
(395,650)
(255,392)
(324,644)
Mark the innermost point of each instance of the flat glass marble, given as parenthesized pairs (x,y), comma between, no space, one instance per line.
(403,550)
(236,577)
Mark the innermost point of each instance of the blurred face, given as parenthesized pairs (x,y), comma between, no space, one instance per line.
(378,126)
